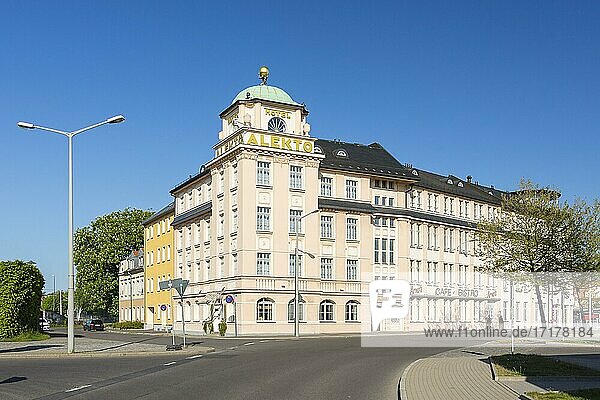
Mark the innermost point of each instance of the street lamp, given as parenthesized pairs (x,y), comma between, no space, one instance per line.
(296,292)
(71,293)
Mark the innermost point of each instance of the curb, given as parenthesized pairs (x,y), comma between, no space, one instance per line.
(402,382)
(97,354)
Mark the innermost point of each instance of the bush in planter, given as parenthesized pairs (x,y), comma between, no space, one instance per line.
(222,327)
(208,327)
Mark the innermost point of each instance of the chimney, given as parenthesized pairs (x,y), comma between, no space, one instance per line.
(469,178)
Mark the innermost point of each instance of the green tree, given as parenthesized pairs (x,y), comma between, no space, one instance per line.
(21,286)
(98,249)
(51,302)
(538,234)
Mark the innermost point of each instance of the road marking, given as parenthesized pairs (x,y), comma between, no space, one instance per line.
(170,363)
(196,356)
(233,348)
(77,388)
(248,344)
(263,341)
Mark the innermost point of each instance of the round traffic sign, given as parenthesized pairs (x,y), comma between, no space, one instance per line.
(229,299)
(163,308)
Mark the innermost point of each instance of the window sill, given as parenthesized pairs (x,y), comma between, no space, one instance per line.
(263,232)
(297,190)
(266,322)
(352,241)
(264,186)
(352,322)
(328,239)
(300,322)
(327,322)
(300,234)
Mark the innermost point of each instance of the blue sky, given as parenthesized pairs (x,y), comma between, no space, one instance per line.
(497,90)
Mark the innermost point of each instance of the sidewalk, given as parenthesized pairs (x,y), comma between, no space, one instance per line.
(466,374)
(57,347)
(452,378)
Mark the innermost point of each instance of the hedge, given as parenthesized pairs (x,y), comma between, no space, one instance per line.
(21,285)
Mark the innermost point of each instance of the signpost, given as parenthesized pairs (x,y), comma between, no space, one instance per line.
(180,285)
(230,299)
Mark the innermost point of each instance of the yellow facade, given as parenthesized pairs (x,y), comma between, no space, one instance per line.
(158,266)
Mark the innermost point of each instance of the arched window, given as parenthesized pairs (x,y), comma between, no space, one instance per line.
(352,310)
(326,310)
(264,309)
(187,311)
(301,306)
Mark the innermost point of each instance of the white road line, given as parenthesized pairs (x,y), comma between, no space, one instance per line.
(170,363)
(263,341)
(233,348)
(196,356)
(77,388)
(248,344)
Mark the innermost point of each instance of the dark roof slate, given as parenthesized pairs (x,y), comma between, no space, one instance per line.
(371,159)
(192,213)
(346,205)
(404,212)
(441,183)
(166,210)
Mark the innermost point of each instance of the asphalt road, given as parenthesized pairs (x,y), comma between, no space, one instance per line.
(305,368)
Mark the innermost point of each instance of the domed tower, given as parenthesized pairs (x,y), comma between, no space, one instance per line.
(264,109)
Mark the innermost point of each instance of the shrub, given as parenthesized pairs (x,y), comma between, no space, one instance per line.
(222,327)
(208,327)
(21,286)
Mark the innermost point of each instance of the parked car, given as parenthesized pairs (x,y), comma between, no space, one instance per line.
(93,325)
(44,324)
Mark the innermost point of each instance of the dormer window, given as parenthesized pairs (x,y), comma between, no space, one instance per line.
(276,124)
(449,181)
(415,173)
(460,184)
(341,153)
(318,150)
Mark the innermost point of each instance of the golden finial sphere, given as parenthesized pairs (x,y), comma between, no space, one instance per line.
(263,72)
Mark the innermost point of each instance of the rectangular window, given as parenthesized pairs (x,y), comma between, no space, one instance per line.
(352,270)
(263,263)
(295,222)
(448,274)
(391,251)
(384,251)
(376,251)
(351,189)
(234,220)
(377,200)
(293,265)
(432,272)
(263,173)
(351,229)
(326,226)
(295,177)
(263,218)
(326,268)
(415,271)
(326,184)
(391,202)
(221,225)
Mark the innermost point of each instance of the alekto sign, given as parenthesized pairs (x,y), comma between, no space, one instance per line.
(269,140)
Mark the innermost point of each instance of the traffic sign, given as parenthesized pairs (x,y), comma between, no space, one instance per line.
(163,308)
(178,284)
(229,299)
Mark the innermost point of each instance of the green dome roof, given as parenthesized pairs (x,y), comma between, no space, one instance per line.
(265,92)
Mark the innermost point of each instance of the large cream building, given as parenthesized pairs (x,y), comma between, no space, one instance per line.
(131,287)
(376,219)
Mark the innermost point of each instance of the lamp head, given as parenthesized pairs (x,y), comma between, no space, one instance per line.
(25,125)
(116,119)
